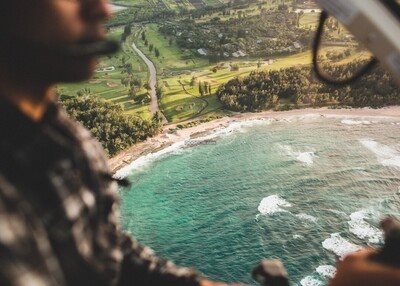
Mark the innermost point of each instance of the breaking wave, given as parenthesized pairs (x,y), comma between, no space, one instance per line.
(327,271)
(306,158)
(311,281)
(362,229)
(386,155)
(340,246)
(356,122)
(306,217)
(273,204)
(146,159)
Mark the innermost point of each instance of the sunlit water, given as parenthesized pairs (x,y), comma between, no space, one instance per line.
(306,190)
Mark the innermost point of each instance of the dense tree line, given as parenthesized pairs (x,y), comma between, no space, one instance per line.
(376,89)
(298,86)
(108,124)
(137,13)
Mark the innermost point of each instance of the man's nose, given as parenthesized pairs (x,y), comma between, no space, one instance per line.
(96,10)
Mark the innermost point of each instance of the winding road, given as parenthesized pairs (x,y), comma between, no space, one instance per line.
(152,83)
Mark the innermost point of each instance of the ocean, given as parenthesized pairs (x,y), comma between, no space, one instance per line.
(307,190)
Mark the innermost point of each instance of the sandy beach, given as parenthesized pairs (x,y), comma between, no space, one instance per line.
(166,138)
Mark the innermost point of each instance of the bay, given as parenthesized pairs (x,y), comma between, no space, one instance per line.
(306,190)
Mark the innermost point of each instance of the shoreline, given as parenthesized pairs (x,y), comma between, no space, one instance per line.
(166,139)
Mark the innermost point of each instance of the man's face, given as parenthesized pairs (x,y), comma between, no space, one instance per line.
(28,25)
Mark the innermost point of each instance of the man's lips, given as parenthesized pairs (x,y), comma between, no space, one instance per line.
(90,49)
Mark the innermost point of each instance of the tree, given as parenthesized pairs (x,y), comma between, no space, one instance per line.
(193,81)
(127,32)
(125,81)
(201,88)
(299,16)
(157,120)
(157,52)
(132,93)
(83,92)
(159,92)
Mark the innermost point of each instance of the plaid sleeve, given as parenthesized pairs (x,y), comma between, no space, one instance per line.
(25,252)
(142,267)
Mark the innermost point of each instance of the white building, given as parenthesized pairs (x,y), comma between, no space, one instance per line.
(202,52)
(297,45)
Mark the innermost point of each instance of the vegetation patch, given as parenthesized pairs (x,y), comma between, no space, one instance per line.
(107,122)
(297,87)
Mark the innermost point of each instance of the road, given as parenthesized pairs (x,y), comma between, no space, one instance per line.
(152,82)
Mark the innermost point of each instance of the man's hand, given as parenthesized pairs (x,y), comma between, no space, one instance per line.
(358,269)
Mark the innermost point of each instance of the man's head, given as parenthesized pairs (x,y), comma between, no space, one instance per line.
(34,33)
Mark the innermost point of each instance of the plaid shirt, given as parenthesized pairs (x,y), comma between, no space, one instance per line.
(59,222)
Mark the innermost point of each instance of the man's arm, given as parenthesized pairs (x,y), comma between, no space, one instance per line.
(358,269)
(142,267)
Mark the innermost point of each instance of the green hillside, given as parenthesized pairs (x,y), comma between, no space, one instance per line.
(198,45)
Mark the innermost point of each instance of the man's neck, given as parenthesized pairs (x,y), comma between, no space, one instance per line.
(32,100)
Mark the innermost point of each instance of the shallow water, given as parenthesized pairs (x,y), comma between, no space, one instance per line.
(306,190)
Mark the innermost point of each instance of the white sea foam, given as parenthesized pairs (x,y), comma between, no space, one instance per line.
(310,281)
(362,229)
(327,271)
(338,212)
(238,126)
(231,128)
(297,236)
(304,117)
(273,204)
(356,122)
(306,158)
(339,245)
(144,160)
(386,155)
(307,217)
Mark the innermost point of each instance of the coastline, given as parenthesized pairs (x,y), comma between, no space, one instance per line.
(166,139)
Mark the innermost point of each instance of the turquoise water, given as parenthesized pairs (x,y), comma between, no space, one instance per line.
(305,190)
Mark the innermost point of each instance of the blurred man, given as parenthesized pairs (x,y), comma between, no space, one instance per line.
(58,217)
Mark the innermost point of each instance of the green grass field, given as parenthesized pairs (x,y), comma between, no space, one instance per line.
(179,104)
(172,57)
(108,84)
